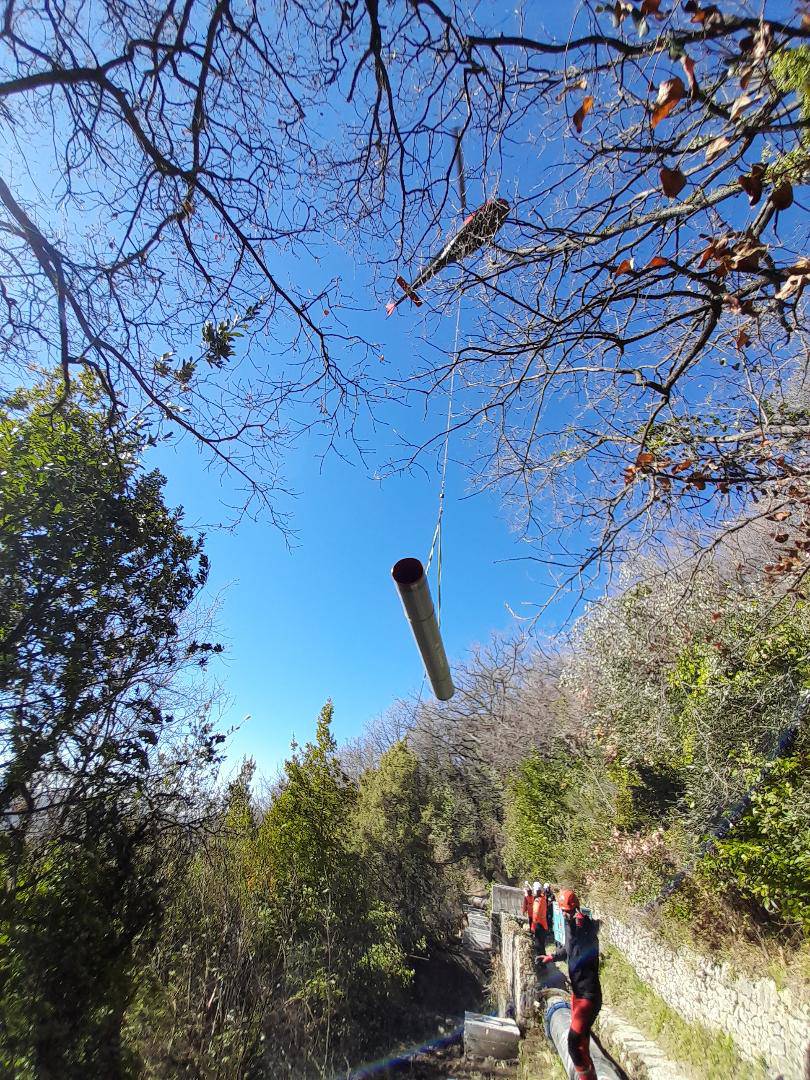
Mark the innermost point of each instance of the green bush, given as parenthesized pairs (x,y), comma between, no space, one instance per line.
(559,817)
(68,956)
(766,856)
(535,813)
(284,952)
(399,831)
(690,686)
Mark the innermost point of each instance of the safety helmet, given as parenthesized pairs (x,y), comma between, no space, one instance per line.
(568,900)
(537,886)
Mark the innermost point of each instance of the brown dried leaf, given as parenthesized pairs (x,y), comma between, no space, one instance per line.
(644,459)
(656,262)
(670,92)
(742,102)
(745,257)
(652,7)
(688,65)
(742,339)
(582,112)
(739,307)
(751,183)
(619,12)
(626,266)
(716,249)
(796,283)
(763,41)
(708,16)
(716,148)
(782,195)
(672,182)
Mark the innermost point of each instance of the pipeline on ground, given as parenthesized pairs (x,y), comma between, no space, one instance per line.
(557,1021)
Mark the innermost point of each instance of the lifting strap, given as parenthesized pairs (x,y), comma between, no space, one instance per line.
(436,542)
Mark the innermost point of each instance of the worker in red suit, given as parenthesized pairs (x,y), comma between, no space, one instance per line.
(539,923)
(581,950)
(527,902)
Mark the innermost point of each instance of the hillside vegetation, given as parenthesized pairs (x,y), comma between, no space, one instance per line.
(158,923)
(201,206)
(154,922)
(689,689)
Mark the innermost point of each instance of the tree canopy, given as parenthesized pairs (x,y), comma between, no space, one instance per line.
(633,344)
(96,577)
(105,738)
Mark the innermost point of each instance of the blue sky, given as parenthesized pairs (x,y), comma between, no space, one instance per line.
(322,618)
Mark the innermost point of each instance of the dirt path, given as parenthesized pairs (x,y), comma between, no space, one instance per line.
(451,1065)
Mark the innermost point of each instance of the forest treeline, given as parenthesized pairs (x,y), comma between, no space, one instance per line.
(656,756)
(153,921)
(630,376)
(158,922)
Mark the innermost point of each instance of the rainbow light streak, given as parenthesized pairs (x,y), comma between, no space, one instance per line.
(404,1057)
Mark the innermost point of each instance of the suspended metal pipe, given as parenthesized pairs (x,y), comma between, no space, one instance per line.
(557,1023)
(409,576)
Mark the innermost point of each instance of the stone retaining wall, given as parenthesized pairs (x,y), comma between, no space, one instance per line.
(763,1021)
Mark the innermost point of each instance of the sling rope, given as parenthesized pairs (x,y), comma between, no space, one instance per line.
(436,542)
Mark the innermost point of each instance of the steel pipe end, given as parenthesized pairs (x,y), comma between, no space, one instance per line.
(407,573)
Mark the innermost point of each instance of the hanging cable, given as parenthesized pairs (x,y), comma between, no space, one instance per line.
(436,542)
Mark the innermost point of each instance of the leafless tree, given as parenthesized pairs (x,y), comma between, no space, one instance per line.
(155,184)
(637,351)
(505,705)
(635,334)
(378,735)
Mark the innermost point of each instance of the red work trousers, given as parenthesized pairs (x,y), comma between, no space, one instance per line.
(583,1013)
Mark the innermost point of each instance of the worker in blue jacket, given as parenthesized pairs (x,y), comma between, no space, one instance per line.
(581,951)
